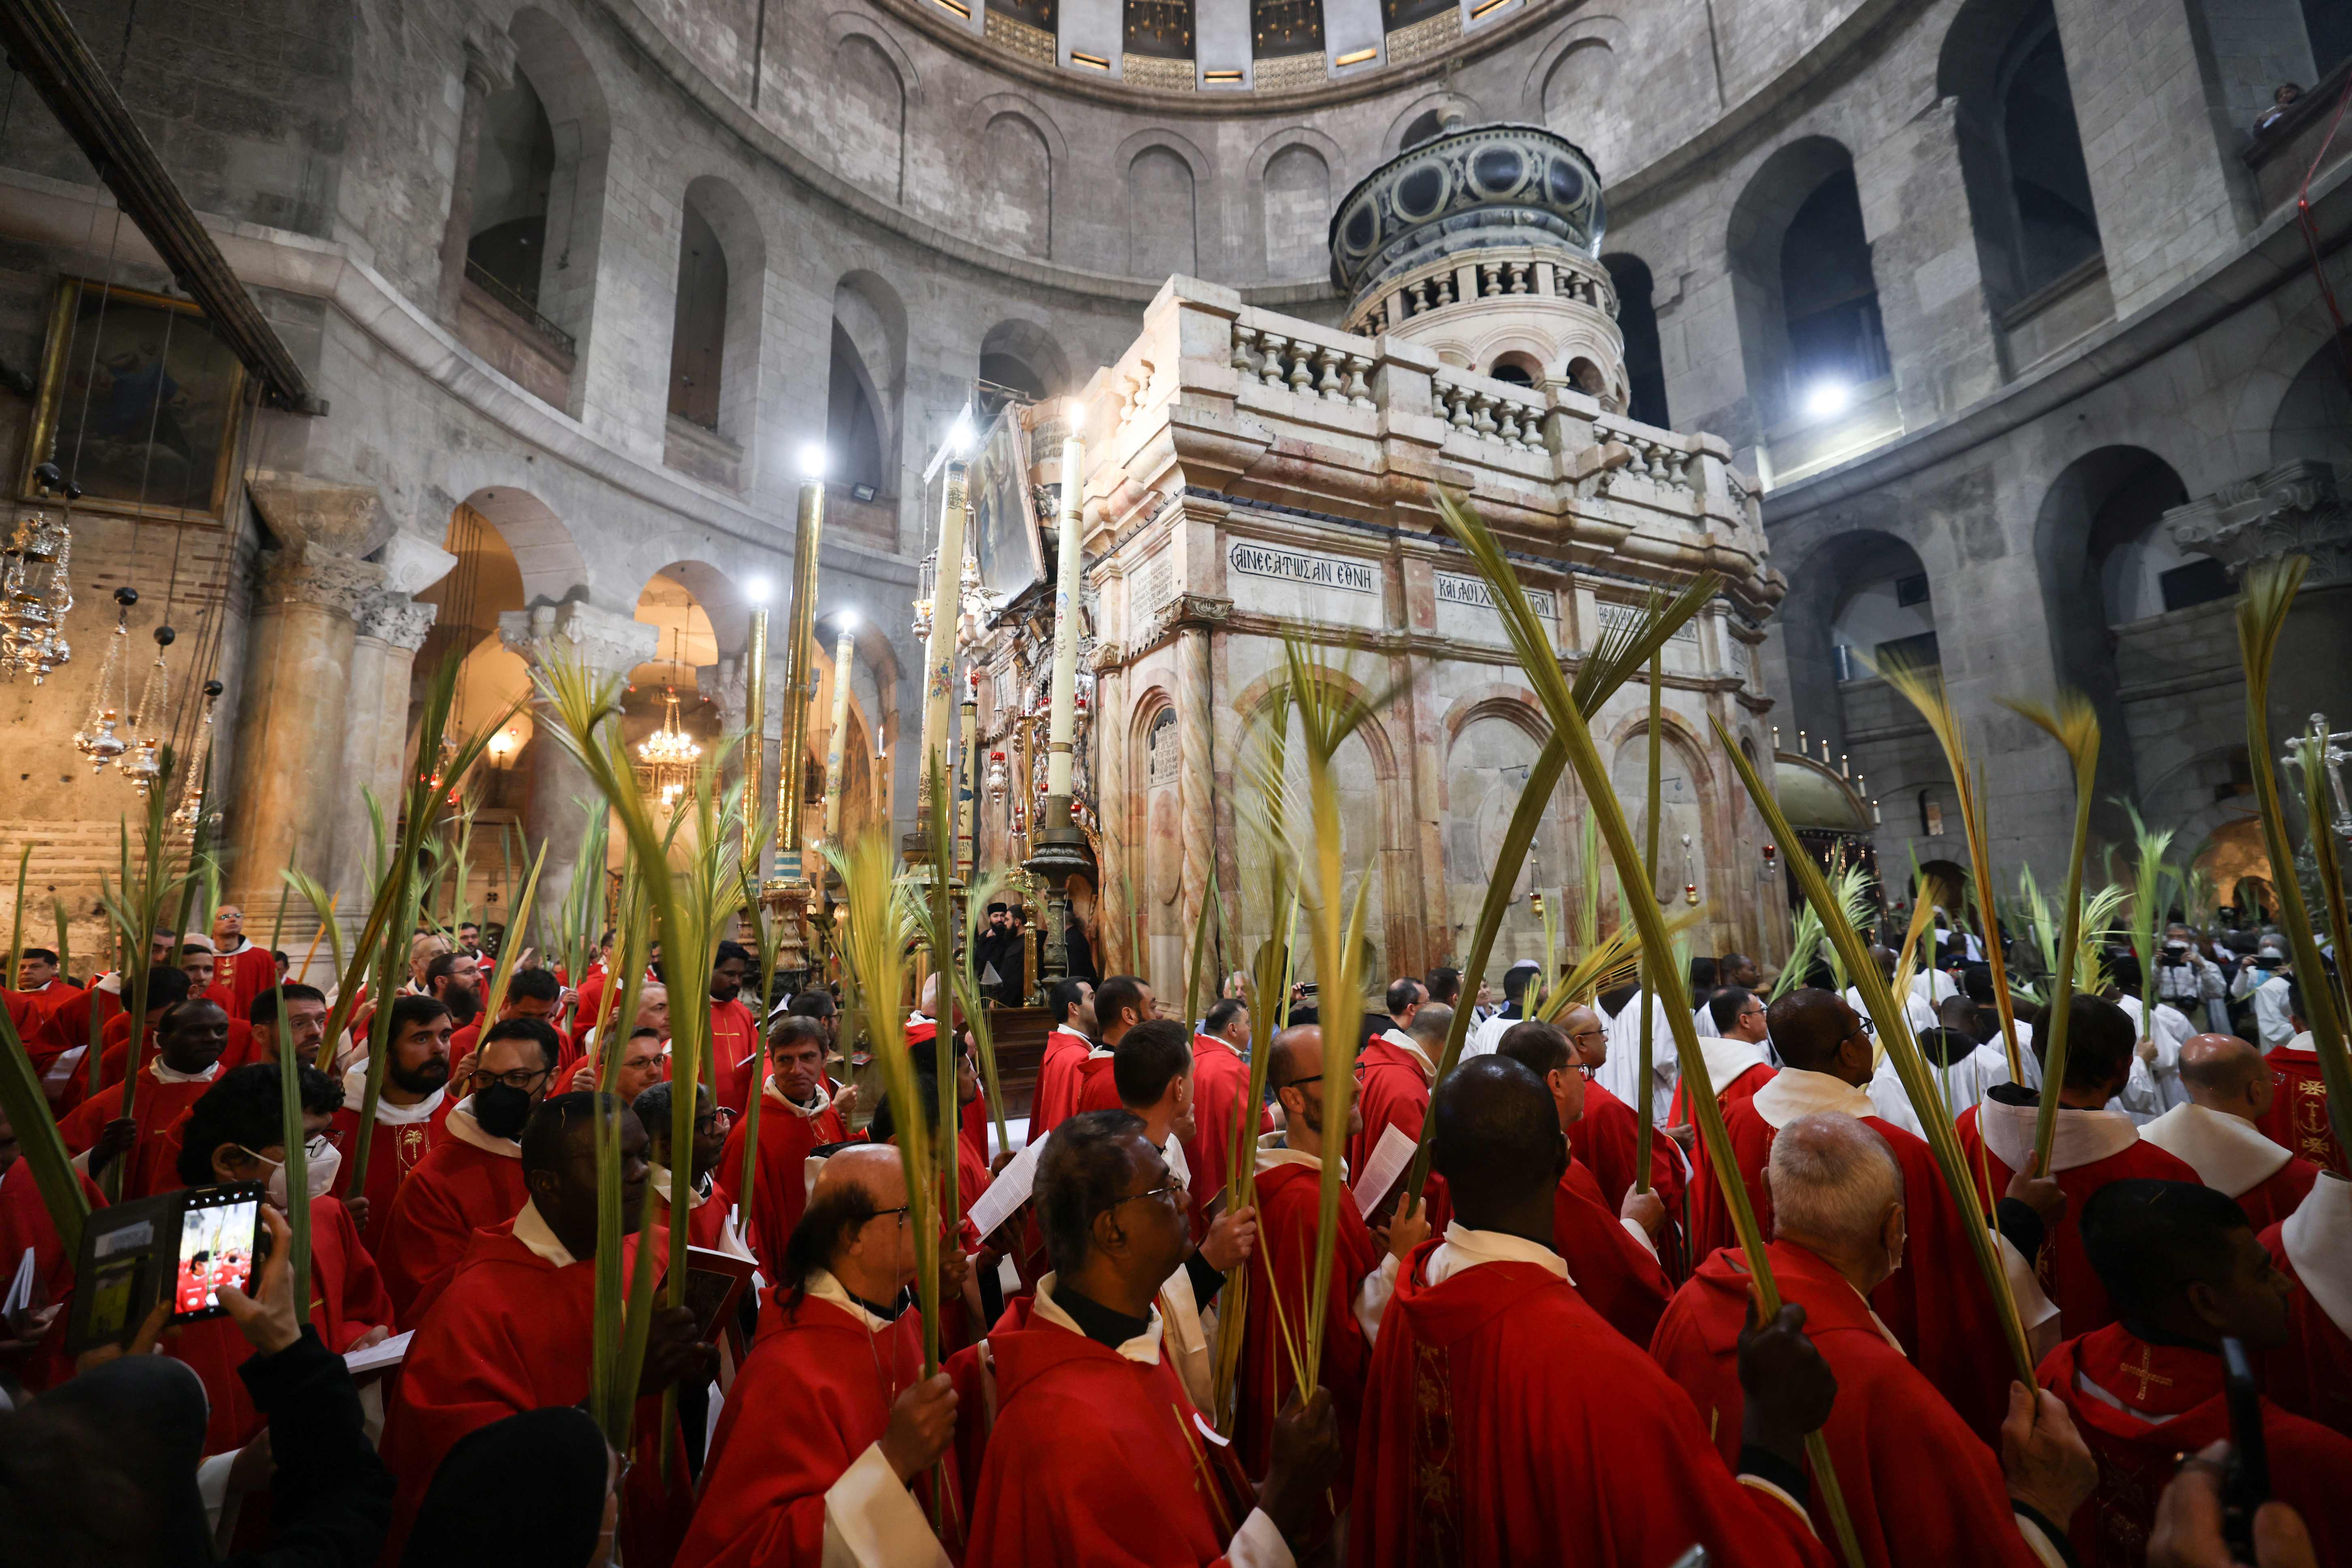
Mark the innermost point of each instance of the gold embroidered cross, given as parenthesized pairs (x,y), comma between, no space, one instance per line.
(2145,1372)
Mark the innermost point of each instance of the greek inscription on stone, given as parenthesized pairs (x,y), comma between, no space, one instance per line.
(1292,567)
(1616,615)
(1453,588)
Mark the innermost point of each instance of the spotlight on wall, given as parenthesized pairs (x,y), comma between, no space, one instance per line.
(1827,398)
(759,589)
(845,619)
(812,460)
(959,434)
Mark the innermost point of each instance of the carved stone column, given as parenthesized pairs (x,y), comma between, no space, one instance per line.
(293,712)
(392,628)
(610,645)
(1197,618)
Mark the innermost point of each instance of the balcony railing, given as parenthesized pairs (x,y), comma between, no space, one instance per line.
(557,338)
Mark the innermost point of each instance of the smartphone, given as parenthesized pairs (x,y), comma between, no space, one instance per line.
(220,1233)
(2246,1480)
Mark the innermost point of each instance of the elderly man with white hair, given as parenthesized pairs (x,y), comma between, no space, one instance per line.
(1920,1486)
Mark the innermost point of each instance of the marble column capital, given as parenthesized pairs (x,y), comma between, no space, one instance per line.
(729,687)
(2295,508)
(317,515)
(606,642)
(301,575)
(489,59)
(395,618)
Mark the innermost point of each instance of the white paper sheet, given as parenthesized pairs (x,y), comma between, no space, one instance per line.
(380,1358)
(1390,1156)
(20,1289)
(1008,1192)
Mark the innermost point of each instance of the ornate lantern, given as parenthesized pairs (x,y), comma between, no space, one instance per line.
(670,753)
(191,781)
(34,595)
(97,738)
(143,762)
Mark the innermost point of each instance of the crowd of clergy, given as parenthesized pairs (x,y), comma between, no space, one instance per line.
(1549,1354)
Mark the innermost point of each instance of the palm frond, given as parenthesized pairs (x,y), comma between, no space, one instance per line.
(2074,726)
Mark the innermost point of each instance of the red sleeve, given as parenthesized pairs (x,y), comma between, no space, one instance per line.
(422,1241)
(763,1490)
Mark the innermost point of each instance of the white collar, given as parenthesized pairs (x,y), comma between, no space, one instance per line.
(658,1176)
(1727,1058)
(1271,1152)
(1411,1047)
(2229,1153)
(533,1231)
(1097,1053)
(1795,1092)
(2313,1238)
(821,1286)
(243,943)
(165,1074)
(1199,1035)
(1069,1034)
(1144,1349)
(462,1126)
(2081,1138)
(1466,1248)
(2300,1043)
(386,1113)
(805,1112)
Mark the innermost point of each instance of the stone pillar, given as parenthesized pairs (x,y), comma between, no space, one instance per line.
(1196,721)
(294,708)
(610,645)
(482,77)
(392,628)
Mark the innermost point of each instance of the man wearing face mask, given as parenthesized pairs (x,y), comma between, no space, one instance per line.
(236,1133)
(473,1175)
(413,1092)
(1920,1486)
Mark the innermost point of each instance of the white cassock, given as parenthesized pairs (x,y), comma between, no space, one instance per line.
(2154,1090)
(1619,1074)
(1916,1007)
(1962,1084)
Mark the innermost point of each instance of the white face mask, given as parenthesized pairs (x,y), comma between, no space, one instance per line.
(322,1160)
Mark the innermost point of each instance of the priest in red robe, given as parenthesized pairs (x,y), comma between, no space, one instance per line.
(1098,1456)
(1363,1264)
(1940,1307)
(2311,1375)
(1920,1488)
(2183,1270)
(531,993)
(734,1028)
(189,1039)
(1738,1062)
(799,1110)
(1067,1045)
(1393,1078)
(239,967)
(1120,1003)
(2215,1131)
(1611,1258)
(2297,1119)
(236,1133)
(414,1092)
(474,1173)
(26,1226)
(1607,1141)
(1220,1089)
(2092,1147)
(706,1222)
(514,1329)
(1505,1422)
(847,1476)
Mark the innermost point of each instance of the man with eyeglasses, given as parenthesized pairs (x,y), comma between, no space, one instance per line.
(1609,1142)
(189,1036)
(1938,1305)
(473,1175)
(1739,1059)
(706,1219)
(1098,1454)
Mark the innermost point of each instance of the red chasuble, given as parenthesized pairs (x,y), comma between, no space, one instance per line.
(1613,1272)
(394,1151)
(2297,1119)
(26,1226)
(1220,1085)
(1289,1212)
(763,1490)
(244,975)
(787,1133)
(514,1333)
(1922,1489)
(1605,1141)
(1097,1088)
(734,1045)
(157,1108)
(1093,1460)
(1938,1303)
(2180,1387)
(1504,1423)
(1394,1089)
(2311,1375)
(347,1299)
(2091,1149)
(2231,1155)
(1743,1087)
(1057,1094)
(459,1188)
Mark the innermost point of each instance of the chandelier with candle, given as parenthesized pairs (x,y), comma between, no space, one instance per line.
(98,737)
(192,778)
(142,764)
(670,753)
(34,595)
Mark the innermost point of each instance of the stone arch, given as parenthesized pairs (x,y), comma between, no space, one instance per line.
(866,381)
(1032,348)
(1021,149)
(1162,176)
(580,119)
(2314,419)
(1570,78)
(734,226)
(1845,610)
(1787,336)
(1422,118)
(1637,321)
(1494,733)
(868,105)
(546,555)
(1289,181)
(1687,788)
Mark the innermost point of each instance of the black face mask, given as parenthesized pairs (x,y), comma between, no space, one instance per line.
(501,1109)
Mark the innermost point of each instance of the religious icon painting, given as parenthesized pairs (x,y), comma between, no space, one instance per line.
(139,403)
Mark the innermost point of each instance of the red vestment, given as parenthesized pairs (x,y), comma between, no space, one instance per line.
(1097,1087)
(763,1489)
(780,1194)
(2310,1466)
(114,1061)
(513,1333)
(1220,1085)
(1504,1423)
(51,1021)
(2311,1375)
(1921,1489)
(347,1299)
(26,1226)
(1616,1274)
(1057,1094)
(394,1151)
(2297,1119)
(152,1157)
(2278,1194)
(1289,1213)
(734,1045)
(458,1189)
(2064,1273)
(1607,1140)
(243,976)
(1092,1459)
(1392,1088)
(1743,1087)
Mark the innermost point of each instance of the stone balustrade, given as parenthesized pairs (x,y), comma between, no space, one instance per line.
(1529,273)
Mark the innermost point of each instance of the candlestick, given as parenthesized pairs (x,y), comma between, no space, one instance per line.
(967,850)
(755,718)
(939,659)
(1060,845)
(845,650)
(799,630)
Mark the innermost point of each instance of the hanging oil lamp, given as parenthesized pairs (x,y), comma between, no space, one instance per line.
(97,738)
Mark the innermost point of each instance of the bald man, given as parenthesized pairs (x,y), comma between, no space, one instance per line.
(2229,1087)
(843,1351)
